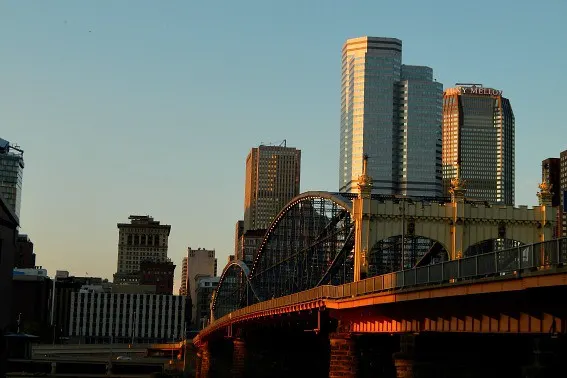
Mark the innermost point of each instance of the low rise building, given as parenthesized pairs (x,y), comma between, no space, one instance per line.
(31,302)
(203,294)
(99,317)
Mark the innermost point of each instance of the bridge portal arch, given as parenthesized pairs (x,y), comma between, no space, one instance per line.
(233,291)
(386,254)
(309,243)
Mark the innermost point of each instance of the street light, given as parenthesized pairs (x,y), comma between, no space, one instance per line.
(132,324)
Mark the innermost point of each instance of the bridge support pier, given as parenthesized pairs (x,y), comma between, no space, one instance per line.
(203,362)
(238,358)
(343,360)
(409,363)
(544,359)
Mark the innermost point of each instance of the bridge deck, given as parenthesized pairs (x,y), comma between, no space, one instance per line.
(533,266)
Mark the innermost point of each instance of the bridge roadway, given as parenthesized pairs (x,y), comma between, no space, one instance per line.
(510,292)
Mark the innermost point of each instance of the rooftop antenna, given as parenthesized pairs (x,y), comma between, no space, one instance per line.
(468,85)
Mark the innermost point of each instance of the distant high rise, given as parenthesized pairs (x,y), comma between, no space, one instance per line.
(551,172)
(183,285)
(478,136)
(563,192)
(272,180)
(392,113)
(201,263)
(238,231)
(11,174)
(143,239)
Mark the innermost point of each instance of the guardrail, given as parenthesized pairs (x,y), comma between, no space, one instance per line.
(493,264)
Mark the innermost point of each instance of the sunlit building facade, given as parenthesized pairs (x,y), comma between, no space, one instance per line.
(478,142)
(272,180)
(392,113)
(143,239)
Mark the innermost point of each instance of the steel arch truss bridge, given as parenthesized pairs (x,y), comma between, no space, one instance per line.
(310,243)
(323,238)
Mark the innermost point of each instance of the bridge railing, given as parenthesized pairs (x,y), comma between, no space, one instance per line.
(499,263)
(517,260)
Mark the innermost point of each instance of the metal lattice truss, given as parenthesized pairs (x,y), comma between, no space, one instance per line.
(310,243)
(234,290)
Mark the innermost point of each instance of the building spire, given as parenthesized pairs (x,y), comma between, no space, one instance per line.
(545,194)
(364,180)
(458,185)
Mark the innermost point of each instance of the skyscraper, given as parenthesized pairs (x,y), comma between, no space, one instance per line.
(478,137)
(143,239)
(272,180)
(551,173)
(392,113)
(11,173)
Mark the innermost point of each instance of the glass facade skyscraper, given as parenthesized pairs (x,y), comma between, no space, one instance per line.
(392,113)
(419,134)
(478,136)
(11,175)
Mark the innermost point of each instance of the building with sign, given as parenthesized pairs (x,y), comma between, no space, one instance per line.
(392,113)
(478,142)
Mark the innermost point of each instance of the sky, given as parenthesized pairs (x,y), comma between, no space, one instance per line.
(150,107)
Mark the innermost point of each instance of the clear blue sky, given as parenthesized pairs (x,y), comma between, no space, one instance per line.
(150,107)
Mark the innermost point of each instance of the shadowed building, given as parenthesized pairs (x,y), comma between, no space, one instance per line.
(249,243)
(551,173)
(8,234)
(159,274)
(31,302)
(25,258)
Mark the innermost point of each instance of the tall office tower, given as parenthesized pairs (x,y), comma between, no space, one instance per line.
(419,149)
(478,137)
(272,180)
(238,231)
(183,284)
(392,113)
(563,190)
(201,263)
(143,239)
(11,173)
(551,173)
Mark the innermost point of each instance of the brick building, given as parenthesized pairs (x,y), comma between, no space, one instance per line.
(159,274)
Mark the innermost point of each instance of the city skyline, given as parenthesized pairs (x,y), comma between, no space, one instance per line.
(92,111)
(391,113)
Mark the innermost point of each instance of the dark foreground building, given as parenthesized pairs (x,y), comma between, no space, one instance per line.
(8,235)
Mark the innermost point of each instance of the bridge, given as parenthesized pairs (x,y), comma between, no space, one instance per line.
(342,277)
